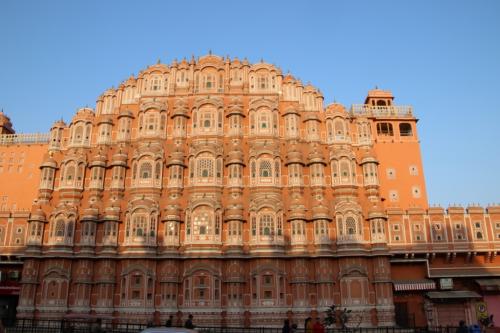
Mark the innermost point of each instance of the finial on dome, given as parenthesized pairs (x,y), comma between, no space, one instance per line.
(376,86)
(159,61)
(210,51)
(261,60)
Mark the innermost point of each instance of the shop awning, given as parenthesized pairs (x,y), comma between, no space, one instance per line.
(489,284)
(453,294)
(403,285)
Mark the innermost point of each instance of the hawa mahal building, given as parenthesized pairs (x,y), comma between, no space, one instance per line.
(228,190)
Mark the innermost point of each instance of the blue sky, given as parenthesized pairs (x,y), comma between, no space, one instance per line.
(442,57)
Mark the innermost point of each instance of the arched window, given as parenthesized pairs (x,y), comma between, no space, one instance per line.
(329,130)
(350,226)
(206,120)
(139,225)
(405,129)
(321,231)
(209,81)
(78,135)
(163,120)
(339,127)
(265,168)
(151,122)
(277,170)
(263,82)
(146,170)
(202,223)
(134,171)
(205,168)
(264,121)
(344,171)
(156,83)
(70,174)
(266,225)
(60,228)
(385,129)
(158,171)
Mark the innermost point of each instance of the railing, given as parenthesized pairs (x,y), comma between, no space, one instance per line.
(110,326)
(382,111)
(27,138)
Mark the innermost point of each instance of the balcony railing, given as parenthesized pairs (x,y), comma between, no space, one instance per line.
(25,138)
(382,111)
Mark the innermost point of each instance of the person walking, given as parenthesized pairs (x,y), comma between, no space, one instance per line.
(169,321)
(308,325)
(318,326)
(189,322)
(462,328)
(286,327)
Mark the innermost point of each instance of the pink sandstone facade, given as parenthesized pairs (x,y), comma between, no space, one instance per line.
(228,190)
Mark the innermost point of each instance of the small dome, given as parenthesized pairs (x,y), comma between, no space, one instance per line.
(320,211)
(291,110)
(48,161)
(368,156)
(297,210)
(85,114)
(158,67)
(183,64)
(105,119)
(376,212)
(90,214)
(235,156)
(311,116)
(58,124)
(176,158)
(336,108)
(294,156)
(99,158)
(315,156)
(288,78)
(131,81)
(112,213)
(234,210)
(119,158)
(126,113)
(172,213)
(211,59)
(180,109)
(37,214)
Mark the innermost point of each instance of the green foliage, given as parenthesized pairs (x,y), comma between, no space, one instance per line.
(334,315)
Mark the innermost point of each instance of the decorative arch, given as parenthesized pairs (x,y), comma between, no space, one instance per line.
(141,222)
(349,222)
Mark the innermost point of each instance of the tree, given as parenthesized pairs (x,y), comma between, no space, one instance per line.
(334,315)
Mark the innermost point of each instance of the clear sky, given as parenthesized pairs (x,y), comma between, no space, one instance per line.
(442,57)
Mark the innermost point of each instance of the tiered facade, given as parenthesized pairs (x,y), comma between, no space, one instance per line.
(227,190)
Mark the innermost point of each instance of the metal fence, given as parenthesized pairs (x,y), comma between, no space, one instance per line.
(86,326)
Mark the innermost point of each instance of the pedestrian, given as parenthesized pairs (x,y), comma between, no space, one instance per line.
(286,327)
(169,321)
(462,328)
(308,325)
(318,326)
(97,326)
(189,322)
